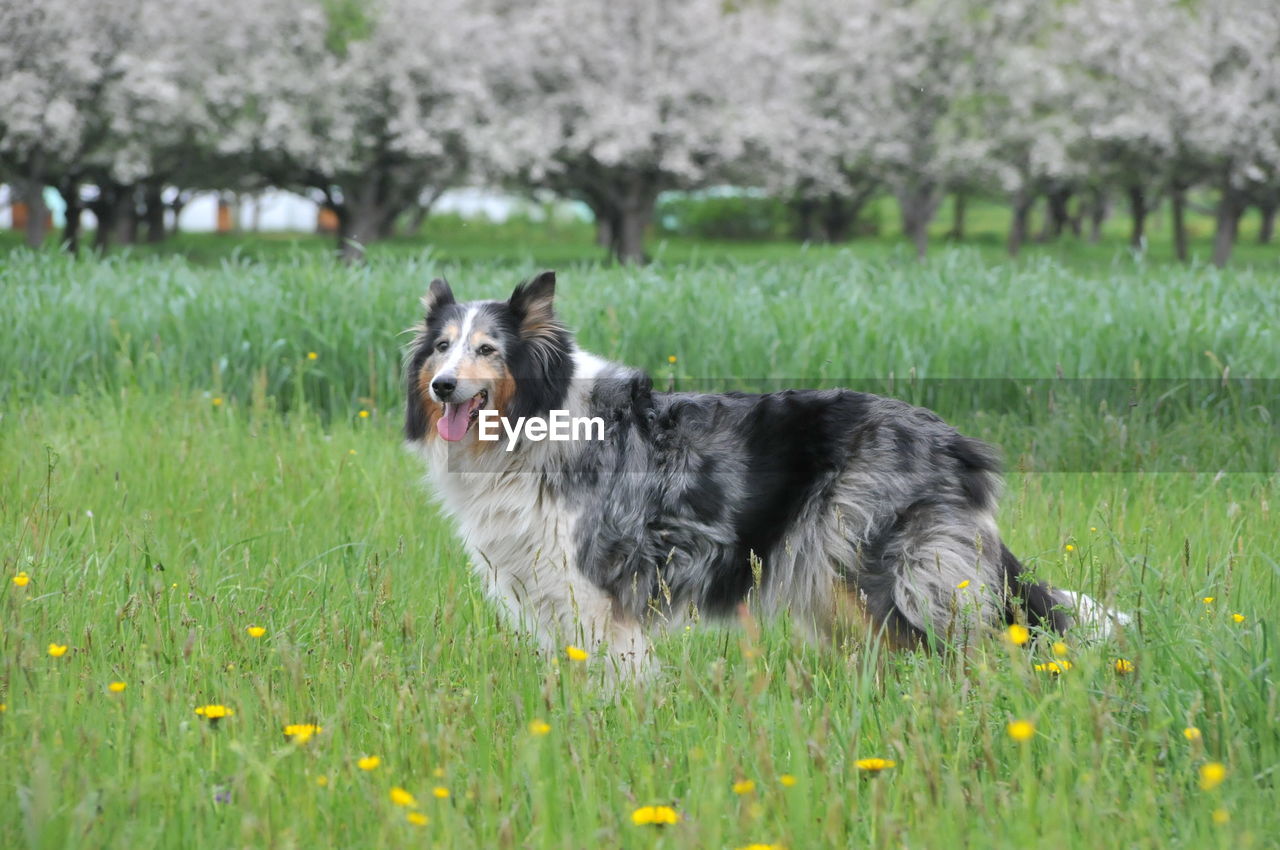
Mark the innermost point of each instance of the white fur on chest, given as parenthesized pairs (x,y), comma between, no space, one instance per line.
(518,534)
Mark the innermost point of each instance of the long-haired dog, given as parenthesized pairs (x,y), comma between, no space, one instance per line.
(846,509)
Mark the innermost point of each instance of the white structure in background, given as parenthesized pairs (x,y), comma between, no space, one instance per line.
(282,211)
(270,210)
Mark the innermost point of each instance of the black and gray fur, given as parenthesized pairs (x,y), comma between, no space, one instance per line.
(828,504)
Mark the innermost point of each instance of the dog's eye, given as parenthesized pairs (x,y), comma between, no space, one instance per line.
(442,345)
(486,349)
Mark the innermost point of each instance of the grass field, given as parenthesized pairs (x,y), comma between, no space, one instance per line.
(177,469)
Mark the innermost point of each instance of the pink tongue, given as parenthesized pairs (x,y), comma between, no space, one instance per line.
(456,420)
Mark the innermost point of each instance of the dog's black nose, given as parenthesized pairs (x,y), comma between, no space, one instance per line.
(444,387)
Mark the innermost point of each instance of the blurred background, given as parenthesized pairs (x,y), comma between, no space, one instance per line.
(568,129)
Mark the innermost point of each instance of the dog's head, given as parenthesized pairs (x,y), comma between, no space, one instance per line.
(511,356)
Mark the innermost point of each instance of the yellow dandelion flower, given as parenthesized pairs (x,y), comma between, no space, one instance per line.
(1060,649)
(1208,600)
(300,733)
(671,358)
(744,786)
(417,818)
(256,631)
(214,713)
(1221,816)
(351,451)
(655,816)
(1239,618)
(1018,635)
(962,585)
(116,687)
(22,579)
(1070,548)
(787,780)
(1021,730)
(1054,667)
(539,727)
(401,797)
(1191,733)
(1124,666)
(576,654)
(1212,774)
(217,401)
(364,414)
(440,792)
(57,650)
(874,765)
(437,772)
(3,707)
(1093,528)
(368,763)
(322,781)
(311,355)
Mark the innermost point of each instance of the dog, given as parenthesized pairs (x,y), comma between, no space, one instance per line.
(848,510)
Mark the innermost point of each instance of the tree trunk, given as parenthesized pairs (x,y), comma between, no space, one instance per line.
(957,217)
(32,193)
(1022,204)
(1138,209)
(1178,209)
(1057,213)
(838,217)
(633,216)
(1230,207)
(367,213)
(69,189)
(628,243)
(918,203)
(105,213)
(605,213)
(1267,227)
(106,208)
(127,225)
(386,225)
(362,223)
(154,213)
(1099,205)
(806,217)
(1076,220)
(604,229)
(180,202)
(127,217)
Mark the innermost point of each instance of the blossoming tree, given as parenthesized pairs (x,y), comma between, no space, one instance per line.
(612,103)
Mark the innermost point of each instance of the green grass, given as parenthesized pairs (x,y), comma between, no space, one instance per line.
(156,526)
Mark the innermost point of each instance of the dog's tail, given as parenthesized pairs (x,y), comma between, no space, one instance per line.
(1056,610)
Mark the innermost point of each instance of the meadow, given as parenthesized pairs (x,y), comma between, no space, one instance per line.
(204,499)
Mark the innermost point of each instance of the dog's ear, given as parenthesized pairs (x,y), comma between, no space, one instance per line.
(531,303)
(438,295)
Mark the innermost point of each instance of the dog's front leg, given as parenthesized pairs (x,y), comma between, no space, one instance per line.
(562,609)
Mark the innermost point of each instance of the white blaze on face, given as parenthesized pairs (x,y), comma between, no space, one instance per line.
(459,348)
(455,421)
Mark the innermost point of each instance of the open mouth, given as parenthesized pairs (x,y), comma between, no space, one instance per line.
(458,418)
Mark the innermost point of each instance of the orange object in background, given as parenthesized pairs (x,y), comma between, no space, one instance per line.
(327,221)
(20,212)
(225,222)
